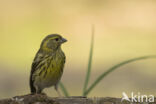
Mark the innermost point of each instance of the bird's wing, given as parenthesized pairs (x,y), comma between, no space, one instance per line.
(38,59)
(35,65)
(41,61)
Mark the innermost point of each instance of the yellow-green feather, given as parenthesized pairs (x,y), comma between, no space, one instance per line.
(52,68)
(47,67)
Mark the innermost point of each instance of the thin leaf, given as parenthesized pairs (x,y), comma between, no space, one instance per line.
(112,69)
(89,63)
(64,90)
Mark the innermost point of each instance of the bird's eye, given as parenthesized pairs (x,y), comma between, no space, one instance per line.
(57,39)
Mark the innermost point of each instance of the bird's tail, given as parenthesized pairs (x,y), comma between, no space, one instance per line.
(32,88)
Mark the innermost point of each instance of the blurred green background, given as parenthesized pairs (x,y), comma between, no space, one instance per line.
(124,29)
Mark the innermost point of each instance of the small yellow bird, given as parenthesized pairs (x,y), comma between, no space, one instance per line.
(48,64)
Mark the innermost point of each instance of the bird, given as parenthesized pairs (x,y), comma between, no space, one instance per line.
(48,64)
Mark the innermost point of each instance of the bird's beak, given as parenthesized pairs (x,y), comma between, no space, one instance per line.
(63,40)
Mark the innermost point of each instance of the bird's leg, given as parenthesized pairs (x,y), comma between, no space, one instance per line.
(39,91)
(58,92)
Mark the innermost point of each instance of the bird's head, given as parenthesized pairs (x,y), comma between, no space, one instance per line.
(52,42)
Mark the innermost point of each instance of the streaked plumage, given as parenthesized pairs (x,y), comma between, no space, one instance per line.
(48,64)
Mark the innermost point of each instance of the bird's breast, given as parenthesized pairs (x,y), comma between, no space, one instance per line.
(55,69)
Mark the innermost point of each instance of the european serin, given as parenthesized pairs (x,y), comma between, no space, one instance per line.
(48,64)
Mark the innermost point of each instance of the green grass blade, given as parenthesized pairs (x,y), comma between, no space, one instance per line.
(112,69)
(64,90)
(89,62)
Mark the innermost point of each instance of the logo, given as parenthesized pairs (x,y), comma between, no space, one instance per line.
(137,98)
